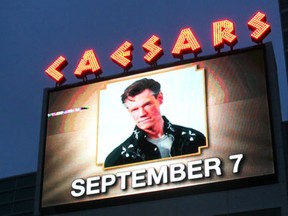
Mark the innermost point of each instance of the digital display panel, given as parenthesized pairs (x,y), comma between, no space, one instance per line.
(207,124)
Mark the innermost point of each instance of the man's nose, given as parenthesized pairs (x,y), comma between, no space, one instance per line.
(142,111)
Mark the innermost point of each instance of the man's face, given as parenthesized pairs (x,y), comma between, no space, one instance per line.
(145,109)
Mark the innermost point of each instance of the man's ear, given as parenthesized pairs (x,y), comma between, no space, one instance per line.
(160,97)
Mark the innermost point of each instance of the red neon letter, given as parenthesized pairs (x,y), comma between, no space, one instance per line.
(88,65)
(186,43)
(123,55)
(154,52)
(54,70)
(223,32)
(260,27)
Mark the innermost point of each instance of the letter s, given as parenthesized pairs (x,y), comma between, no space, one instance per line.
(78,187)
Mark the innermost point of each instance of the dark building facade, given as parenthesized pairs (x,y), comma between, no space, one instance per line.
(17,195)
(283,7)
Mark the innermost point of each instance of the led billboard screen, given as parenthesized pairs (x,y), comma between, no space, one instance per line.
(215,123)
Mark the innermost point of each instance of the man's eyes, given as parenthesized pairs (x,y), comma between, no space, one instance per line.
(143,106)
(133,110)
(147,104)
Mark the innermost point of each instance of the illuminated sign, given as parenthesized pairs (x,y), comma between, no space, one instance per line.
(259,26)
(215,119)
(186,43)
(154,51)
(123,55)
(223,33)
(88,65)
(54,70)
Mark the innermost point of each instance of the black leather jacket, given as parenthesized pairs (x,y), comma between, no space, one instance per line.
(137,149)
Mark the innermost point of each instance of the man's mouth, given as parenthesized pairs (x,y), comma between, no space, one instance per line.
(144,120)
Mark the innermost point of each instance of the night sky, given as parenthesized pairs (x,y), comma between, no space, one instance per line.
(34,33)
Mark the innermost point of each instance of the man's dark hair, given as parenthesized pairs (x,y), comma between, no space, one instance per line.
(139,86)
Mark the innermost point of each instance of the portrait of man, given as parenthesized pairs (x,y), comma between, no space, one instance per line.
(154,136)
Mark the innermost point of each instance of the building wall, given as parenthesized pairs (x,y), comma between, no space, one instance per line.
(283,6)
(17,195)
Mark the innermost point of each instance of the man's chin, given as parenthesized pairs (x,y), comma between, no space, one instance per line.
(145,127)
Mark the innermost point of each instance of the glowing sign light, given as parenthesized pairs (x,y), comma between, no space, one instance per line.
(64,112)
(186,43)
(88,65)
(260,27)
(123,55)
(223,32)
(154,51)
(54,70)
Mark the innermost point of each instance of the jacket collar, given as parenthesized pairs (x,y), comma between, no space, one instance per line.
(168,128)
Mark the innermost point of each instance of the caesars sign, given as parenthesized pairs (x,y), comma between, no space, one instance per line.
(178,127)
